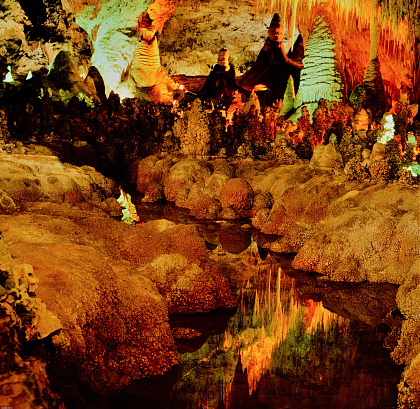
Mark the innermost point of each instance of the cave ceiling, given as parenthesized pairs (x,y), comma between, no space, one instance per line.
(103,33)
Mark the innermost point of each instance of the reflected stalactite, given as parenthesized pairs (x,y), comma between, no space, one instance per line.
(272,324)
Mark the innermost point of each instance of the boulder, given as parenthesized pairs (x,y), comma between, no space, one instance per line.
(181,178)
(151,176)
(186,287)
(237,194)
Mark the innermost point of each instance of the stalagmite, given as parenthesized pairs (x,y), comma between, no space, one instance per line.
(272,67)
(320,77)
(371,93)
(145,72)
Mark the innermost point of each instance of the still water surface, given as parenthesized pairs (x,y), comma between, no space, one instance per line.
(279,349)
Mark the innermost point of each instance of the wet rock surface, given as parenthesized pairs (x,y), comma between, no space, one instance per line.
(348,230)
(110,285)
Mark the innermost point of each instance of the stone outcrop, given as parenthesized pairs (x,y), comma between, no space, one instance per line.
(31,177)
(350,231)
(24,318)
(109,284)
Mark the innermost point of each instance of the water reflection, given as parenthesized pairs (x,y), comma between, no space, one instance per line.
(281,349)
(275,331)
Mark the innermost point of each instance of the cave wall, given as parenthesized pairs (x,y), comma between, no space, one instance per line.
(33,32)
(103,33)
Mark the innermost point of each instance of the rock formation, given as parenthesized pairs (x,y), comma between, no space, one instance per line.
(221,84)
(24,319)
(272,67)
(113,318)
(371,93)
(320,77)
(107,287)
(145,71)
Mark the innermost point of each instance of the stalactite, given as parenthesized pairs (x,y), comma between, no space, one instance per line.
(293,24)
(395,18)
(374,32)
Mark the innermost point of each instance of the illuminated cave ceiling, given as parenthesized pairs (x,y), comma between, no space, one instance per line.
(33,31)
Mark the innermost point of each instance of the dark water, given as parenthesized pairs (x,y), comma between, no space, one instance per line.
(295,341)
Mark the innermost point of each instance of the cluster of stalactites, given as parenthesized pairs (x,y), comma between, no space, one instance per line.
(395,18)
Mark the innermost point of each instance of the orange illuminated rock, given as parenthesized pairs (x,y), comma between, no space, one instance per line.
(237,194)
(145,71)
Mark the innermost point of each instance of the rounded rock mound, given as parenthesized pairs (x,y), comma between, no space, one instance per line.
(237,194)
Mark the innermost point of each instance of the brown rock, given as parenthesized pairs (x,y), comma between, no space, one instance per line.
(151,175)
(181,178)
(237,194)
(115,325)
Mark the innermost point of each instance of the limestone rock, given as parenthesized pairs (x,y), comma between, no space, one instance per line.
(237,194)
(202,203)
(408,295)
(367,241)
(325,157)
(151,176)
(186,287)
(181,178)
(34,177)
(320,77)
(378,152)
(102,298)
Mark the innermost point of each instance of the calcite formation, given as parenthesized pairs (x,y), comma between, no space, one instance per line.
(320,77)
(273,66)
(145,69)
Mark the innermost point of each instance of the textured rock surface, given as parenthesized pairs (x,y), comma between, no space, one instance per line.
(23,318)
(107,282)
(237,194)
(348,230)
(108,316)
(182,176)
(41,177)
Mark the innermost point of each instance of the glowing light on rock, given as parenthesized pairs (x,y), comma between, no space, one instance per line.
(9,77)
(109,29)
(394,18)
(260,87)
(129,210)
(29,76)
(388,131)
